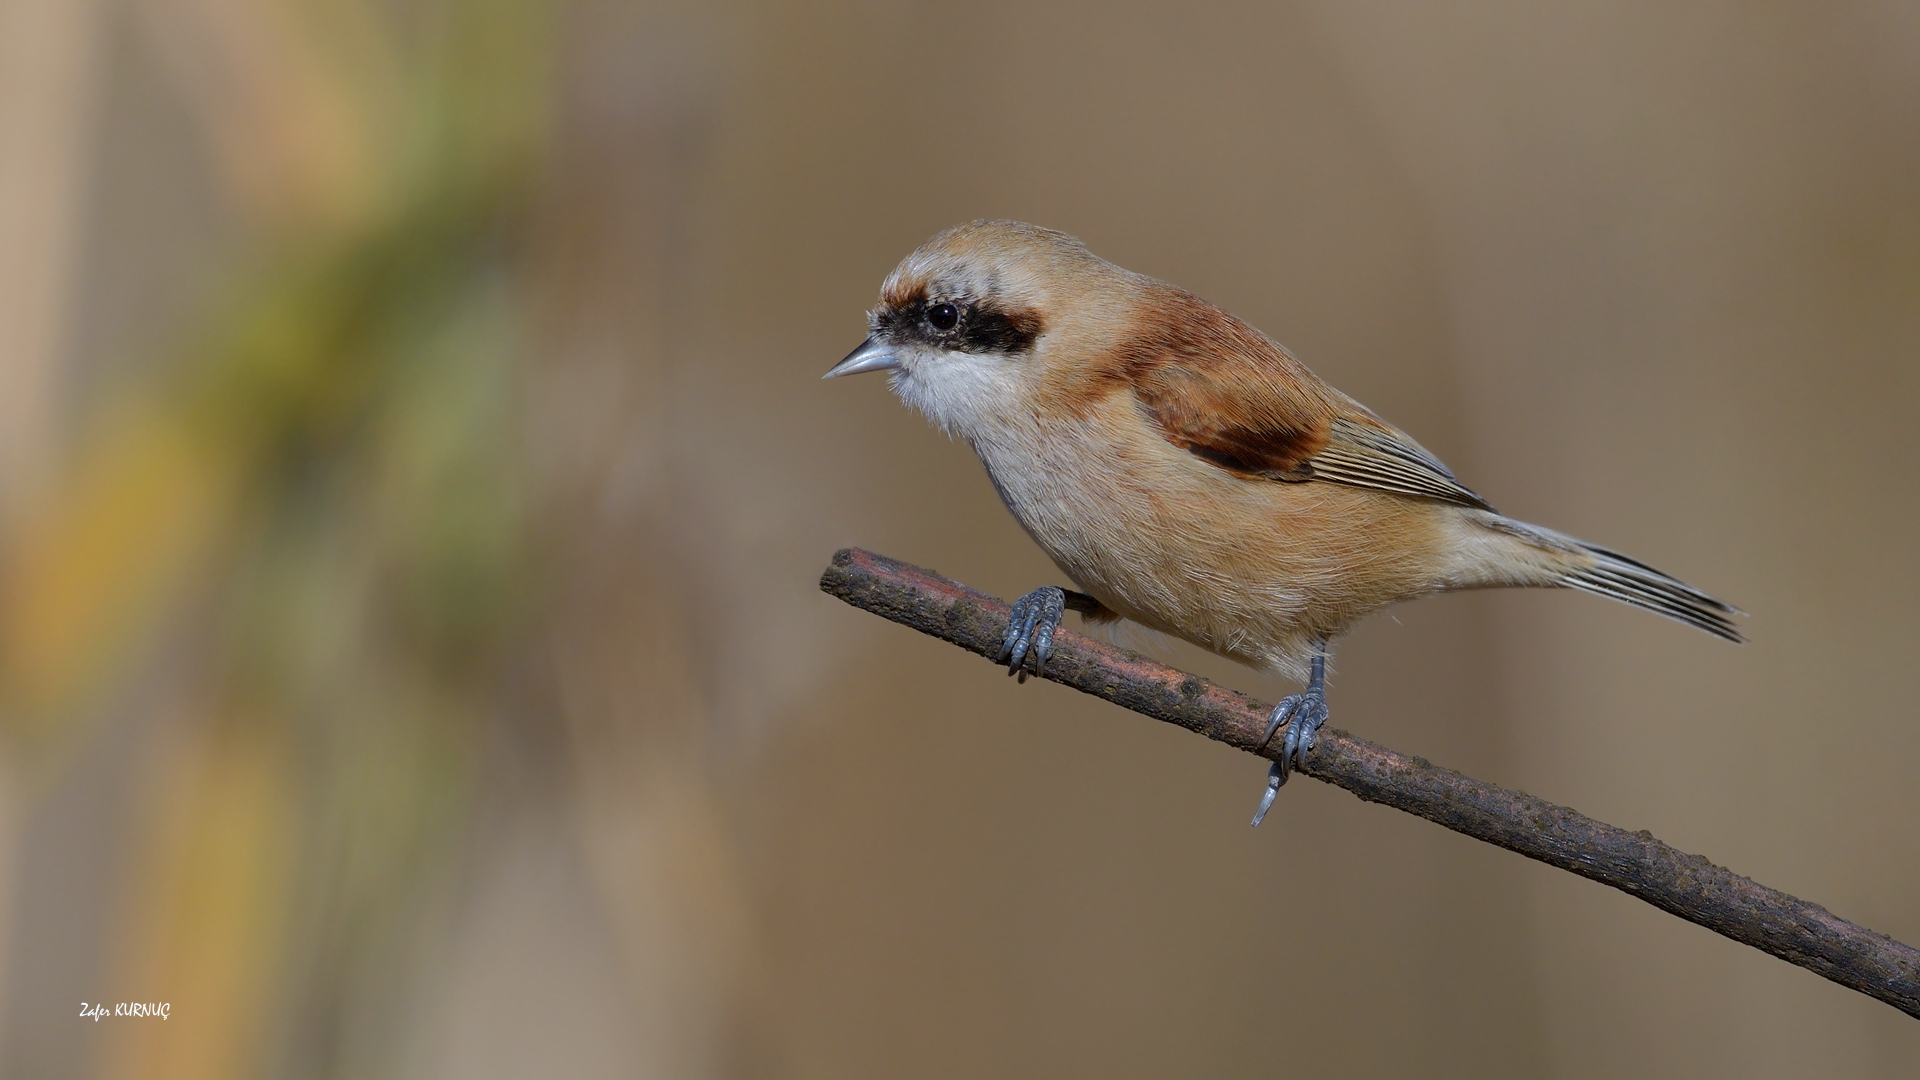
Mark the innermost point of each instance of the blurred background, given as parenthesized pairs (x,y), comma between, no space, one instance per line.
(415,473)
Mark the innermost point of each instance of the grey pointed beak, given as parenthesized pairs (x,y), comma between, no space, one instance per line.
(872,355)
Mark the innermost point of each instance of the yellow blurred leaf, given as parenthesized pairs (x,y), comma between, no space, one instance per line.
(88,571)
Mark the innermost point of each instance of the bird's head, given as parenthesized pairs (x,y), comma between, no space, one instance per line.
(970,325)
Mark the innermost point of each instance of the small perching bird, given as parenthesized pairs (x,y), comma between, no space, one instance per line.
(1188,473)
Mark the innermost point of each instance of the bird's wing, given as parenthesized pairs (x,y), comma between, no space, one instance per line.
(1221,390)
(1236,417)
(1364,451)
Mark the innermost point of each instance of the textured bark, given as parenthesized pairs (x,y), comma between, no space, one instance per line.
(1634,862)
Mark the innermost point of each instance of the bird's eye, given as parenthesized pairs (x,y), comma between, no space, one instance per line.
(943,316)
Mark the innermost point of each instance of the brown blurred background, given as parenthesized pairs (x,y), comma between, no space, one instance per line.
(414,475)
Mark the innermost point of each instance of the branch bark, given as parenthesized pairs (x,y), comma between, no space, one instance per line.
(1686,885)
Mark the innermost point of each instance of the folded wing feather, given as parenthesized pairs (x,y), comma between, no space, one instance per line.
(1218,388)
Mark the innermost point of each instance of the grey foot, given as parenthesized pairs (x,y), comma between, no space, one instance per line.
(1029,641)
(1302,713)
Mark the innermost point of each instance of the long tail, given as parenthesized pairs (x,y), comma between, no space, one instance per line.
(1611,574)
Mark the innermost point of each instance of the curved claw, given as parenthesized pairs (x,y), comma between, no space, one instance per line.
(1276,777)
(1278,716)
(1029,641)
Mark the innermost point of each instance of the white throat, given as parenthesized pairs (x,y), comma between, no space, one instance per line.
(974,397)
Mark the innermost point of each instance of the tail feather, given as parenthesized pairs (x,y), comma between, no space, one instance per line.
(1576,564)
(1634,582)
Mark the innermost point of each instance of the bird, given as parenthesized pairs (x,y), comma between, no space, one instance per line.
(1189,474)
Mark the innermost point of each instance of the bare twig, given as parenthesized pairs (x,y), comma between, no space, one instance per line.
(1633,862)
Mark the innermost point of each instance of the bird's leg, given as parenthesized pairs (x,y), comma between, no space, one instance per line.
(1035,618)
(1303,713)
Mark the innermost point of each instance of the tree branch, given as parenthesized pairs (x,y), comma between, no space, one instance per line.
(1633,862)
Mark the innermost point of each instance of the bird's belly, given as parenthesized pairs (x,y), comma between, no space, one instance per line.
(1257,570)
